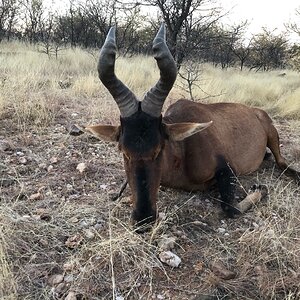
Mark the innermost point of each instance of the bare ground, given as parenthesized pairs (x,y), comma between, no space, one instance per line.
(62,235)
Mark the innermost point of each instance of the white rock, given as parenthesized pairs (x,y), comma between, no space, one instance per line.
(221,230)
(81,167)
(71,296)
(53,160)
(170,258)
(22,160)
(89,234)
(55,279)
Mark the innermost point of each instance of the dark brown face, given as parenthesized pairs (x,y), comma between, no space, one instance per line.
(141,142)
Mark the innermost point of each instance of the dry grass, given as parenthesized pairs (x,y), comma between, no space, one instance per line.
(35,88)
(73,229)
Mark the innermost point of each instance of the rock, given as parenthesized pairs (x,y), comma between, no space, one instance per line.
(71,296)
(221,230)
(99,226)
(53,160)
(61,288)
(42,166)
(170,258)
(69,278)
(69,266)
(74,220)
(74,241)
(166,243)
(75,130)
(81,167)
(36,196)
(49,168)
(69,187)
(89,234)
(23,160)
(221,271)
(55,279)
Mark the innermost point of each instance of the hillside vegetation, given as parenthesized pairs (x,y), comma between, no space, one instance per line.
(62,236)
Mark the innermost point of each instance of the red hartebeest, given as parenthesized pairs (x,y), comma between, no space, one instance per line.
(175,150)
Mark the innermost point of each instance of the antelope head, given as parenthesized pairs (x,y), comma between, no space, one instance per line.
(141,135)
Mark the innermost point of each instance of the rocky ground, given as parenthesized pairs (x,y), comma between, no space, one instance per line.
(64,237)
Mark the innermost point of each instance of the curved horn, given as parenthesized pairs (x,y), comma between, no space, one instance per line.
(125,99)
(154,99)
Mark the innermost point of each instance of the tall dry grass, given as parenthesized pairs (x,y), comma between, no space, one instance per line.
(35,88)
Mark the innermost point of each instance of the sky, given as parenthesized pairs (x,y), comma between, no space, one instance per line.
(262,13)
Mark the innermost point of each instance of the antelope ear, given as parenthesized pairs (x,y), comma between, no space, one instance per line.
(180,131)
(105,132)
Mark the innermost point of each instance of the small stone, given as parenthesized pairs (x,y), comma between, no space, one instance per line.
(69,278)
(99,226)
(75,130)
(74,241)
(36,196)
(71,296)
(49,168)
(42,166)
(69,266)
(84,224)
(170,258)
(55,279)
(53,160)
(74,220)
(221,230)
(61,288)
(22,160)
(81,167)
(69,187)
(89,234)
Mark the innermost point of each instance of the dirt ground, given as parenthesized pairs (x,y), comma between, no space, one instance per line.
(65,238)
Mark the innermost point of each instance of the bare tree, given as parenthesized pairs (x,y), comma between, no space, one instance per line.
(8,14)
(240,47)
(295,27)
(33,11)
(102,13)
(186,21)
